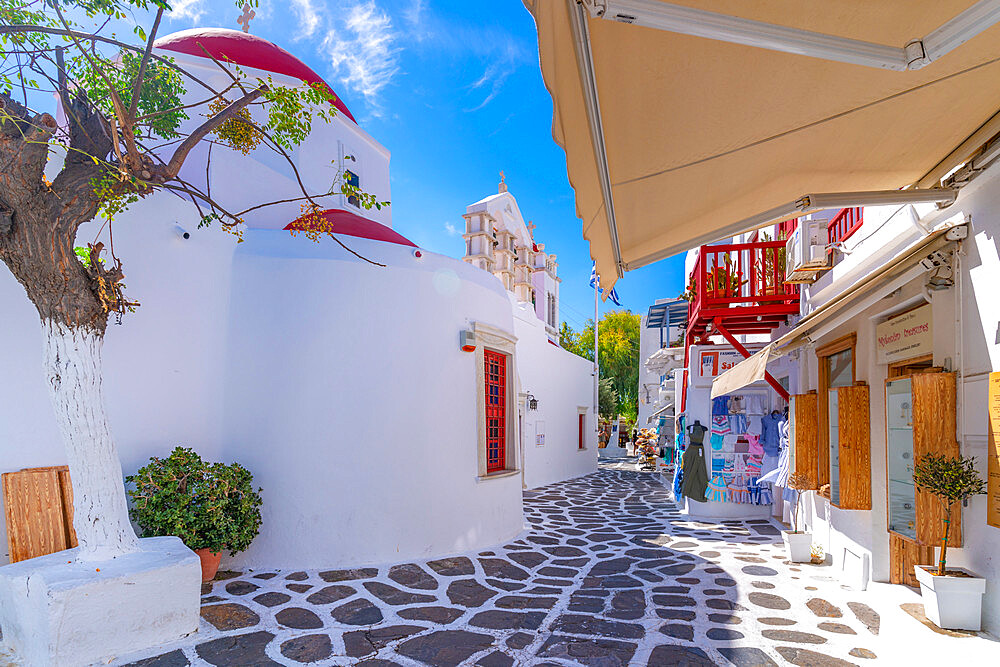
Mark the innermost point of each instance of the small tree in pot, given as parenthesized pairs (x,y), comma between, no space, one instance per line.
(210,506)
(953,597)
(797,542)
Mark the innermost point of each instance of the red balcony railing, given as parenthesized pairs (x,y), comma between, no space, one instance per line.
(743,284)
(843,225)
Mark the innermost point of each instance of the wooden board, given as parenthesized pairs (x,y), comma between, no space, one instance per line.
(993,467)
(903,555)
(934,429)
(804,412)
(36,518)
(854,429)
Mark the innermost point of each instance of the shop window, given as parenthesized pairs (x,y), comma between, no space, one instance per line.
(836,369)
(351,179)
(496,410)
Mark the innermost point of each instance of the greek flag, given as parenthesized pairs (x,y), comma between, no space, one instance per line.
(613,295)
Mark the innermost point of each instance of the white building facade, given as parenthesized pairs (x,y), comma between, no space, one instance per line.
(498,240)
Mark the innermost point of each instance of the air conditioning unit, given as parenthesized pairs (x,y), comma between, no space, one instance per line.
(805,252)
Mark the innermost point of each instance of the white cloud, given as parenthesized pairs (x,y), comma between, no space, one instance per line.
(501,64)
(187,9)
(451,229)
(363,51)
(308,18)
(414,17)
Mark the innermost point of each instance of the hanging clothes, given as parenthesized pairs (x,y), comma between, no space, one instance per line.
(739,423)
(737,404)
(695,472)
(755,447)
(720,405)
(756,404)
(769,437)
(720,425)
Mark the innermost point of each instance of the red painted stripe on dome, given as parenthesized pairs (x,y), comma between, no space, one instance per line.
(349,224)
(247,50)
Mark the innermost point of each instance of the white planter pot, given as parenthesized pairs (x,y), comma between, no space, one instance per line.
(952,603)
(798,545)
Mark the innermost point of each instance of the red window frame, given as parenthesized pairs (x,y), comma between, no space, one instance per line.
(496,410)
(582,417)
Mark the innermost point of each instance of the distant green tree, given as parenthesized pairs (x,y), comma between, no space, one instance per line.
(618,336)
(607,399)
(567,337)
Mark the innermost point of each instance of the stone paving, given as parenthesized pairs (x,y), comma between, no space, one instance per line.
(609,574)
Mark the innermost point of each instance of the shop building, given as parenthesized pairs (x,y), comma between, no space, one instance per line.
(889,360)
(661,350)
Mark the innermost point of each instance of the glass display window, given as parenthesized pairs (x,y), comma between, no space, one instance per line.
(899,426)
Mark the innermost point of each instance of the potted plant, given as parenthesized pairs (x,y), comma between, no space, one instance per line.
(953,598)
(798,542)
(210,506)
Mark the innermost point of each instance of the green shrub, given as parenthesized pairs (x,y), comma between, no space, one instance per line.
(207,505)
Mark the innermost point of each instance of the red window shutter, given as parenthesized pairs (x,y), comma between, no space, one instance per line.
(580,442)
(496,410)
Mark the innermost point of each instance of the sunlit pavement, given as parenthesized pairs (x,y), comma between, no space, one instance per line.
(610,573)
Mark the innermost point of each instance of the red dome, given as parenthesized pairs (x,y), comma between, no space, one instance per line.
(247,50)
(349,224)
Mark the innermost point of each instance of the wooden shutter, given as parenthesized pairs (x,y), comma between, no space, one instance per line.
(934,429)
(854,433)
(804,412)
(38,504)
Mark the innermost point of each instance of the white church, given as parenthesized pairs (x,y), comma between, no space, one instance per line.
(349,390)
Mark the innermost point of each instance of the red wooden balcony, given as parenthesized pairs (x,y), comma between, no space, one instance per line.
(741,284)
(843,225)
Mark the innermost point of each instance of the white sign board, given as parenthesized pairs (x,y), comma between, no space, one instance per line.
(539,433)
(904,336)
(710,361)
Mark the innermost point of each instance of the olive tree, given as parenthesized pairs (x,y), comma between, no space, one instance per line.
(125,136)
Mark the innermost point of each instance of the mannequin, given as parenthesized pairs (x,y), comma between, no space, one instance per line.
(695,471)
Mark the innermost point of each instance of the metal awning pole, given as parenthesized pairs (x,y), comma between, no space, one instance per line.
(597,376)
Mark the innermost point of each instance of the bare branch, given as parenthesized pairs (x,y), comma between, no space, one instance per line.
(137,86)
(177,159)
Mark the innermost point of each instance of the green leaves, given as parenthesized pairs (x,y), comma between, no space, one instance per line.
(290,111)
(207,505)
(952,479)
(159,95)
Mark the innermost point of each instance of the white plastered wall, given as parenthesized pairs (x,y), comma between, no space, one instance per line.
(563,384)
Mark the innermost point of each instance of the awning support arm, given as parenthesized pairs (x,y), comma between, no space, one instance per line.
(717,323)
(807,204)
(915,54)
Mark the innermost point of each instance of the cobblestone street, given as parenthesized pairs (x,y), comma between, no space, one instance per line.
(609,574)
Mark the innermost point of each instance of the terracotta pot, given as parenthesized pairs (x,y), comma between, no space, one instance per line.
(209,563)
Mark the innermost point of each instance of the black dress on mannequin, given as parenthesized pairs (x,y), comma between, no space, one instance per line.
(695,480)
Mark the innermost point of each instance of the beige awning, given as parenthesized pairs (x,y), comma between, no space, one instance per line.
(698,134)
(748,371)
(898,271)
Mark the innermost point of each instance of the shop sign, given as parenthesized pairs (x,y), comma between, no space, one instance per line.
(539,433)
(993,481)
(716,360)
(905,336)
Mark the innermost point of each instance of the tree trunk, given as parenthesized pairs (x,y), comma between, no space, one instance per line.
(72,363)
(944,542)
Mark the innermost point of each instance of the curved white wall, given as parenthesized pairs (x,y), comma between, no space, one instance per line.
(349,397)
(341,385)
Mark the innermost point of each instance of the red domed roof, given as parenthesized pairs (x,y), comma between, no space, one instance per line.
(349,224)
(247,50)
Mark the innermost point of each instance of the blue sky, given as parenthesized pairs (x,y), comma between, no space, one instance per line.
(453,89)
